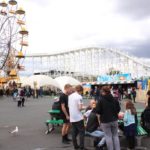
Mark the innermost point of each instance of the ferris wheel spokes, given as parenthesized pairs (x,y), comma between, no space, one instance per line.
(13,35)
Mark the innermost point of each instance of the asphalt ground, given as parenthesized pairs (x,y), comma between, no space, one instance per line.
(31,123)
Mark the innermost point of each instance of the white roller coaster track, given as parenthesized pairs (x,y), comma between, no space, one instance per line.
(114,51)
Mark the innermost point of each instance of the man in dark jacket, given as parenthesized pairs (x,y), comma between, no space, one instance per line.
(108,109)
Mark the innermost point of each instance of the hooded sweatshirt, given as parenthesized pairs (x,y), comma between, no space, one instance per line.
(108,108)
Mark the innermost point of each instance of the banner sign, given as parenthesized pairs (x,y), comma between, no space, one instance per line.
(142,84)
(114,78)
(105,78)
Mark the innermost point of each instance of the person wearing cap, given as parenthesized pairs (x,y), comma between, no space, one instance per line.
(108,109)
(65,113)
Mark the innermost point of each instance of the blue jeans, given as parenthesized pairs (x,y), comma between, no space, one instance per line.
(98,134)
(111,134)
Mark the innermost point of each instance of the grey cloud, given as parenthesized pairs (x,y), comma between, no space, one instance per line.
(132,47)
(136,9)
(138,48)
(141,50)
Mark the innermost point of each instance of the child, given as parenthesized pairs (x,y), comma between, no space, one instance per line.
(130,124)
(19,101)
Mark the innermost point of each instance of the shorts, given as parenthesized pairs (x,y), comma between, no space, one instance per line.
(65,120)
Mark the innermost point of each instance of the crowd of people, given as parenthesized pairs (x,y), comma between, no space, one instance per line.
(118,92)
(12,90)
(99,119)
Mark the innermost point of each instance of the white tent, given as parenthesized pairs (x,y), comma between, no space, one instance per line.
(66,80)
(22,80)
(40,80)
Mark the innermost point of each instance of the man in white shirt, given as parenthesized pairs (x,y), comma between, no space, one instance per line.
(76,117)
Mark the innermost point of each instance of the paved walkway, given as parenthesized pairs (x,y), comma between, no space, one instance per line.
(30,121)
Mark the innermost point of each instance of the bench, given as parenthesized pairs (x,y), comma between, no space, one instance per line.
(140,131)
(140,134)
(53,121)
(140,110)
(54,111)
(91,141)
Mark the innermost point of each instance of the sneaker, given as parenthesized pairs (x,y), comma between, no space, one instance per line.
(65,142)
(76,148)
(99,148)
(67,139)
(83,149)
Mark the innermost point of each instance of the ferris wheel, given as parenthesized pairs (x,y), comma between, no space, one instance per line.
(13,37)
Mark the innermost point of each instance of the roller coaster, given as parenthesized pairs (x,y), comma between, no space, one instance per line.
(86,63)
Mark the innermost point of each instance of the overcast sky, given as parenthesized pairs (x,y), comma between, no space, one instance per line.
(57,25)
